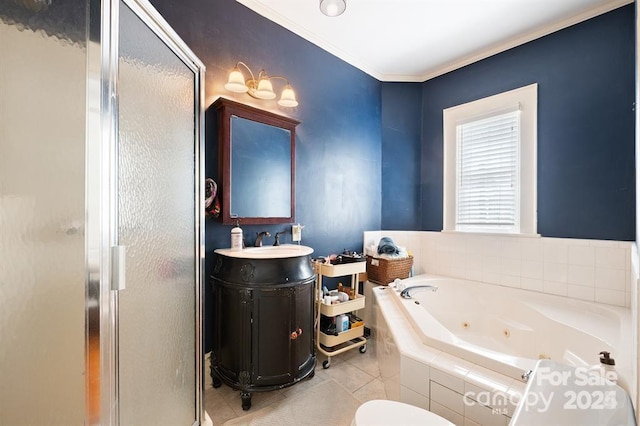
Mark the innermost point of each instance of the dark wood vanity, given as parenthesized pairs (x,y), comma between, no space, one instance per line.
(263,322)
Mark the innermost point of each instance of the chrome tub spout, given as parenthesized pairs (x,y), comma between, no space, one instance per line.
(406,293)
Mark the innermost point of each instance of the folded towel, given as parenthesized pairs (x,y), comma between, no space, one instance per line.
(372,251)
(387,246)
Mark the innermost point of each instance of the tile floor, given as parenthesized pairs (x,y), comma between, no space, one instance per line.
(357,372)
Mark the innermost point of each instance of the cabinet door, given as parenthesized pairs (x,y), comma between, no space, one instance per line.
(303,347)
(272,336)
(232,331)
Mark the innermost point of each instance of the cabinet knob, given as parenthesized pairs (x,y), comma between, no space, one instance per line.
(295,334)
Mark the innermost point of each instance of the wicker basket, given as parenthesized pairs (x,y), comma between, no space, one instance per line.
(385,271)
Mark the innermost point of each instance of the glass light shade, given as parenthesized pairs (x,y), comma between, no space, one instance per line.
(264,90)
(236,82)
(333,7)
(288,98)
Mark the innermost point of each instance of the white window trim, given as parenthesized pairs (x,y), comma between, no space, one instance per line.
(527,99)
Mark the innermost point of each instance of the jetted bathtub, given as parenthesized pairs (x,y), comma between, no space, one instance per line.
(508,330)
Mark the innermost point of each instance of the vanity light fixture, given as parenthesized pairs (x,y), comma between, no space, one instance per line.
(261,87)
(333,8)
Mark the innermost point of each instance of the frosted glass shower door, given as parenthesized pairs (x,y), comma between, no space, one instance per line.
(157,223)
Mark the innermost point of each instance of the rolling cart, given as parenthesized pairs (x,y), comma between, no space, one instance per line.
(337,343)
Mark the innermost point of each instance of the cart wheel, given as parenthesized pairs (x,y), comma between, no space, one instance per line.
(326,364)
(363,349)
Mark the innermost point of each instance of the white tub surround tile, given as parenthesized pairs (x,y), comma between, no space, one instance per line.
(555,251)
(511,248)
(414,375)
(581,275)
(510,281)
(447,397)
(553,287)
(485,416)
(469,422)
(532,269)
(455,383)
(610,257)
(409,396)
(581,292)
(447,413)
(611,279)
(511,266)
(532,284)
(582,254)
(610,297)
(487,380)
(532,249)
(548,265)
(555,272)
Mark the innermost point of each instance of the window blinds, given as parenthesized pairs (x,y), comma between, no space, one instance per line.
(487,172)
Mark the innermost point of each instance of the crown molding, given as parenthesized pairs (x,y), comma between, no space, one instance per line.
(294,27)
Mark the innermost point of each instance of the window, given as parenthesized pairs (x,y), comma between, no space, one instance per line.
(490,164)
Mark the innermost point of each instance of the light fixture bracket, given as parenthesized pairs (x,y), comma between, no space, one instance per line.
(260,88)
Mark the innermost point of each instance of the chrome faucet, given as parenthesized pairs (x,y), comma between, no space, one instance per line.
(259,238)
(406,293)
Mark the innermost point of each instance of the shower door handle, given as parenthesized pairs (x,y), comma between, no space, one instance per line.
(118,277)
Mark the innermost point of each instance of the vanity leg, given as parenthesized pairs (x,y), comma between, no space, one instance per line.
(216,381)
(246,400)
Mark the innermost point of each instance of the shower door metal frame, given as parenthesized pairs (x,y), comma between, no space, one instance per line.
(101,208)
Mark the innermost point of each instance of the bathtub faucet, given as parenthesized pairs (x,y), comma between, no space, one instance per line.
(406,293)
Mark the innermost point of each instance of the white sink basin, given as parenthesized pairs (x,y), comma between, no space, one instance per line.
(268,252)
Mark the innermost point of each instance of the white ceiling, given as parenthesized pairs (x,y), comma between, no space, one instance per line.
(415,40)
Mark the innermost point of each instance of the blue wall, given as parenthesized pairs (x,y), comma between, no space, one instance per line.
(585,76)
(401,147)
(338,140)
(338,147)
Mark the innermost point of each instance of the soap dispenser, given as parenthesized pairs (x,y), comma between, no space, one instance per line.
(236,237)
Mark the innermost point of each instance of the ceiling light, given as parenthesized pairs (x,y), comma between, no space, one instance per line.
(260,88)
(333,7)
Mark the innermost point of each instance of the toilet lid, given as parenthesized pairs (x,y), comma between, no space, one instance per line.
(384,412)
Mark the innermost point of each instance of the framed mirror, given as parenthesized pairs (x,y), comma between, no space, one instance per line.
(256,164)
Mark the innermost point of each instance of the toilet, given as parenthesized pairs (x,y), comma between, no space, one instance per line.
(387,413)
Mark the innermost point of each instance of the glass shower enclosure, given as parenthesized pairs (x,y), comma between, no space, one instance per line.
(101,230)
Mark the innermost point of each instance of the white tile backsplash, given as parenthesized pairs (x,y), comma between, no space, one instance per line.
(555,272)
(610,257)
(532,284)
(611,279)
(610,297)
(557,288)
(555,251)
(581,292)
(582,255)
(593,270)
(581,275)
(531,269)
(532,249)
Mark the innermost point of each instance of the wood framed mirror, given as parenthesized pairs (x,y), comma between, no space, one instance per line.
(256,164)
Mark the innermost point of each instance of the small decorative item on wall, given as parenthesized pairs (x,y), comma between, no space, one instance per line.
(211,202)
